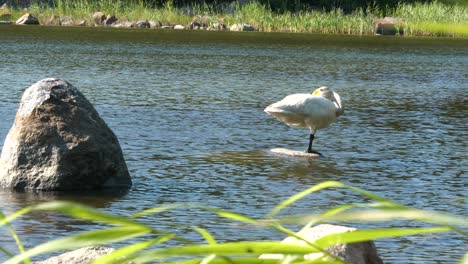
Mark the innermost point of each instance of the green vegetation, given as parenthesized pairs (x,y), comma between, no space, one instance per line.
(168,247)
(431,19)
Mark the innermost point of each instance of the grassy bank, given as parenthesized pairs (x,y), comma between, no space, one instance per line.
(435,19)
(166,246)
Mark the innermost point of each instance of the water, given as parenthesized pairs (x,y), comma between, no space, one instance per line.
(187,108)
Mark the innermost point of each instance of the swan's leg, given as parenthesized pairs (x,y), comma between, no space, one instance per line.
(309,149)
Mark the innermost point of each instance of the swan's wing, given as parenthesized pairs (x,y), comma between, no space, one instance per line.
(291,104)
(289,110)
(317,106)
(319,112)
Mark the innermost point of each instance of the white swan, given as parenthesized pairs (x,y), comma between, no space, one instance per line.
(314,111)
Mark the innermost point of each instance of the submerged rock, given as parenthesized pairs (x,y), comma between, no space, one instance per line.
(27,19)
(59,142)
(353,253)
(79,256)
(294,153)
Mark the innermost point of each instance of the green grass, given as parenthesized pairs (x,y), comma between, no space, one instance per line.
(422,19)
(154,246)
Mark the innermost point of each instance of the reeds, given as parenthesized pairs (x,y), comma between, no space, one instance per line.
(166,246)
(262,18)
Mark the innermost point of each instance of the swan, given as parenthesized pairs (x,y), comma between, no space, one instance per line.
(313,111)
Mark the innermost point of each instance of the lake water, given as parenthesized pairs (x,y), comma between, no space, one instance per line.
(187,108)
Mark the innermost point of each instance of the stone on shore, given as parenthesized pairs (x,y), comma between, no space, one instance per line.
(179,27)
(54,20)
(155,24)
(82,23)
(27,19)
(123,23)
(99,17)
(67,21)
(58,142)
(79,256)
(389,26)
(220,25)
(200,22)
(353,253)
(141,24)
(110,19)
(241,27)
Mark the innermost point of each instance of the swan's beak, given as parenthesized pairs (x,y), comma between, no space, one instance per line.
(316,92)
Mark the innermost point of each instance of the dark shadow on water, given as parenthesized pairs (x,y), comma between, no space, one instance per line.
(97,199)
(40,226)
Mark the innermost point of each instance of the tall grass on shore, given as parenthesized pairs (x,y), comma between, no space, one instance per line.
(359,22)
(153,246)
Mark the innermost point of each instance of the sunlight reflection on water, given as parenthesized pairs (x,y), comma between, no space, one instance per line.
(190,120)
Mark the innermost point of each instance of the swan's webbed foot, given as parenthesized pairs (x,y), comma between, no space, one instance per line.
(309,149)
(313,152)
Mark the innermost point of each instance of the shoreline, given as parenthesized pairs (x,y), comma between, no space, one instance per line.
(105,35)
(253,17)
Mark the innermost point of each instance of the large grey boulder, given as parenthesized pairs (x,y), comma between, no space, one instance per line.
(355,253)
(59,142)
(79,256)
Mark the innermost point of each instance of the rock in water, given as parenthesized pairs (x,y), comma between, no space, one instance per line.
(59,142)
(294,153)
(79,256)
(352,253)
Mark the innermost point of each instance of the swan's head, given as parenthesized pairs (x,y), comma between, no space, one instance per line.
(328,93)
(325,92)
